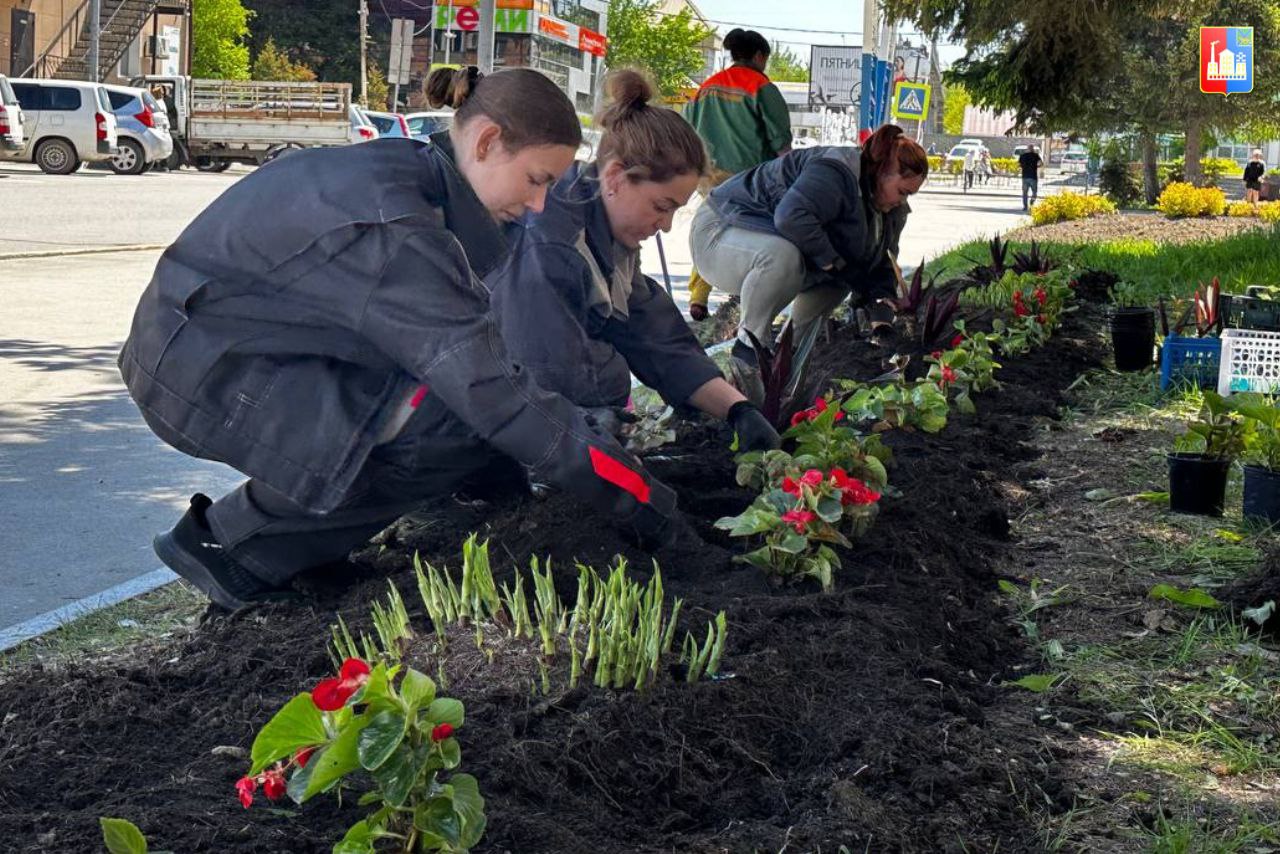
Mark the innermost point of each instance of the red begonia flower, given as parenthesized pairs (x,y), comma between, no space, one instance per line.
(800,417)
(948,375)
(936,354)
(1021,310)
(1042,319)
(332,694)
(799,519)
(840,478)
(859,493)
(1017,296)
(1041,296)
(441,731)
(812,477)
(273,784)
(303,756)
(957,341)
(790,487)
(245,787)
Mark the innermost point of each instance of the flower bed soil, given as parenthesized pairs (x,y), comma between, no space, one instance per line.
(1138,225)
(872,717)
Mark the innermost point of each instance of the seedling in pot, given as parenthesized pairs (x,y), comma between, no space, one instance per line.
(1208,321)
(1217,433)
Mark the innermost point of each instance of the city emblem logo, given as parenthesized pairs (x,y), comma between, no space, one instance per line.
(1226,60)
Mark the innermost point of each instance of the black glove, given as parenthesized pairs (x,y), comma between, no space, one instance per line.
(656,522)
(609,419)
(697,311)
(755,433)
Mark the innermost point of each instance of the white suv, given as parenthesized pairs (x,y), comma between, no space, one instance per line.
(12,120)
(68,122)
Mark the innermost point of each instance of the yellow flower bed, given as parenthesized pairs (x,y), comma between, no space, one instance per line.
(1068,206)
(1182,199)
(1241,209)
(1269,211)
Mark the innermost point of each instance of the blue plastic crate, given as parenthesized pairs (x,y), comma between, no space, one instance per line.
(1190,360)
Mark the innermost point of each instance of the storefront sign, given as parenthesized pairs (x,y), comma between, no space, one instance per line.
(579,38)
(511,16)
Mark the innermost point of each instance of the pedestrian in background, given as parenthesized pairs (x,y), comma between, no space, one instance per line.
(811,227)
(573,305)
(1253,172)
(1031,165)
(985,169)
(970,167)
(742,117)
(322,328)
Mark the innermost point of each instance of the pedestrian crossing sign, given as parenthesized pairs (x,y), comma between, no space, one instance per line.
(911,101)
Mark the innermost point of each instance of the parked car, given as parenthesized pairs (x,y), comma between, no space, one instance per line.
(68,122)
(958,152)
(389,124)
(422,125)
(362,127)
(1074,161)
(12,120)
(143,130)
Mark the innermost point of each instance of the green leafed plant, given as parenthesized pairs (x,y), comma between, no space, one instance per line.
(1262,423)
(123,837)
(800,517)
(905,406)
(1217,433)
(1193,598)
(384,724)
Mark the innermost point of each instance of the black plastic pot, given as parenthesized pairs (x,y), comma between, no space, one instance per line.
(1197,484)
(1262,494)
(1133,335)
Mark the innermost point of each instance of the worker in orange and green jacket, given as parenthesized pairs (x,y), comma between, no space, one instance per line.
(743,119)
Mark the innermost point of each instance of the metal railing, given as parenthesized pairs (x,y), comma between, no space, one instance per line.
(56,48)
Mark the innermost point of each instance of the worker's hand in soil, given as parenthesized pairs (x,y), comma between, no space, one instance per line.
(754,431)
(697,311)
(609,419)
(656,522)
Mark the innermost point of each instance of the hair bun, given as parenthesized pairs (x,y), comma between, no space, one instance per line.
(629,91)
(449,87)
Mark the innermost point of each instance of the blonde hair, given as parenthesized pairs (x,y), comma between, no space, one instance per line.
(651,142)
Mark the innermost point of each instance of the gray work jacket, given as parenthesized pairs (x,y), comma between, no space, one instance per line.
(284,328)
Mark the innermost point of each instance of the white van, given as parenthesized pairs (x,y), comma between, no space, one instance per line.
(12,120)
(68,122)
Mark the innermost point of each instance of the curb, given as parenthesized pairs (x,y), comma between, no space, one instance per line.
(14,635)
(98,250)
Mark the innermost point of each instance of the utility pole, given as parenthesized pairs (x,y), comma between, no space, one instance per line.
(484,51)
(95,38)
(364,52)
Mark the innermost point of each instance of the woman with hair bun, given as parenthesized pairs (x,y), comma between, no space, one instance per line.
(322,327)
(572,303)
(809,228)
(742,117)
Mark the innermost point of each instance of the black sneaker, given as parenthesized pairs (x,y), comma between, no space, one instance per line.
(191,550)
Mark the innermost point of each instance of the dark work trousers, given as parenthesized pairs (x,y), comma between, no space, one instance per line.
(434,454)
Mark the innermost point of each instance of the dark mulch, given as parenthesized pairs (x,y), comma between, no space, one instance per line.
(871,717)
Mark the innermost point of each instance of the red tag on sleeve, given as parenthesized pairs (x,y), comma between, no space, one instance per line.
(620,475)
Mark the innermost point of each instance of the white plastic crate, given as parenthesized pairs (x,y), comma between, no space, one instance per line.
(1250,361)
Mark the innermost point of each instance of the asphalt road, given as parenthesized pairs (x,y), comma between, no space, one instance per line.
(84,485)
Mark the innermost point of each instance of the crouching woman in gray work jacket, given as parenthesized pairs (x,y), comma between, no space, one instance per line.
(572,304)
(808,228)
(322,328)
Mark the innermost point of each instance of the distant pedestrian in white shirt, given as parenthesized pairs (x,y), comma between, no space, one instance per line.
(970,164)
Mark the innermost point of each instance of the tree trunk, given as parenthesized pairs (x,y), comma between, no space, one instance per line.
(1150,166)
(935,81)
(1191,166)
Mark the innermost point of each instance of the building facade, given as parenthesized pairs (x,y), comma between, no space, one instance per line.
(563,39)
(52,38)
